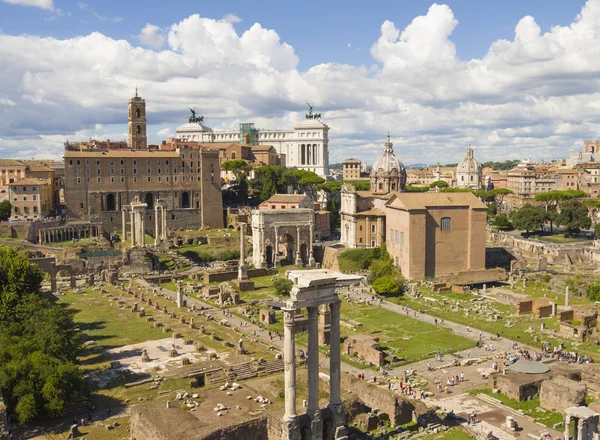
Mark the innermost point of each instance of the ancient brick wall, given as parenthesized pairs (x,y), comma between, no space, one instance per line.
(525,307)
(566,315)
(213,277)
(544,312)
(560,393)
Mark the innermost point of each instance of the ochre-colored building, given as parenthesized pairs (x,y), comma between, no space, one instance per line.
(100,182)
(351,169)
(435,234)
(30,198)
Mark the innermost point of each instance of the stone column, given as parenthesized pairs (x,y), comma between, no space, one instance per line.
(311,257)
(132,218)
(276,249)
(298,261)
(291,429)
(263,252)
(142,230)
(313,374)
(40,237)
(567,296)
(163,210)
(156,236)
(567,427)
(242,268)
(379,237)
(335,400)
(368,232)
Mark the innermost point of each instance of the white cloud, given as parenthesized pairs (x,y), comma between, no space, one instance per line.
(87,8)
(43,4)
(536,95)
(349,45)
(152,36)
(232,18)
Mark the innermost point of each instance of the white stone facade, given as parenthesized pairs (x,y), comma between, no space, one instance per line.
(305,147)
(469,172)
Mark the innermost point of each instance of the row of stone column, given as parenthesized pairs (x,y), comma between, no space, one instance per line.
(64,233)
(160,226)
(335,403)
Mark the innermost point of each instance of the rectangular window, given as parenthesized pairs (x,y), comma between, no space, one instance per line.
(79,180)
(34,197)
(446,223)
(148,171)
(397,236)
(122,179)
(122,171)
(158,171)
(112,162)
(159,178)
(134,162)
(135,171)
(112,180)
(24,198)
(134,179)
(373,228)
(79,171)
(98,171)
(87,180)
(35,209)
(158,162)
(98,179)
(148,162)
(174,178)
(87,171)
(149,179)
(402,239)
(112,171)
(167,178)
(122,162)
(78,162)
(87,161)
(98,162)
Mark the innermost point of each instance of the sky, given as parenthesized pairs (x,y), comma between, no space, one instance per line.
(514,79)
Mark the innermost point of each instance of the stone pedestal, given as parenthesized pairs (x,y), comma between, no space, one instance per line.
(244,285)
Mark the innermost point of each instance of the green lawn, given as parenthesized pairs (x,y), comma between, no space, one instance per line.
(106,324)
(559,239)
(479,321)
(529,407)
(409,338)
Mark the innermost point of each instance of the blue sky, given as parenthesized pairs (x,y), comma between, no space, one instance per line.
(436,91)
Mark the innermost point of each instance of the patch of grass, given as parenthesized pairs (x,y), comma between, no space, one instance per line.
(560,239)
(108,325)
(456,433)
(406,337)
(356,260)
(547,418)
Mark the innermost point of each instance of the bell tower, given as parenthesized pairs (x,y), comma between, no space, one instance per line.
(137,123)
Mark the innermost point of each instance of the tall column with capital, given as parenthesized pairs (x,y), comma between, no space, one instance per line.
(156,236)
(142,230)
(163,211)
(335,400)
(242,268)
(313,375)
(298,261)
(132,218)
(311,257)
(123,225)
(276,250)
(291,429)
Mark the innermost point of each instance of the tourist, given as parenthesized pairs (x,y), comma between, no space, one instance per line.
(429,366)
(462,377)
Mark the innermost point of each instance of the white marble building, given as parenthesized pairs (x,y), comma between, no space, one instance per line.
(305,146)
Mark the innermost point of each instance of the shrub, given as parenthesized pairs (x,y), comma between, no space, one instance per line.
(593,291)
(358,259)
(283,286)
(501,222)
(388,285)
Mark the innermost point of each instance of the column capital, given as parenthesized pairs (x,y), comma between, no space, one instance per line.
(313,312)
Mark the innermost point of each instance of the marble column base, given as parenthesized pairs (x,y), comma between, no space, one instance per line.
(290,429)
(316,425)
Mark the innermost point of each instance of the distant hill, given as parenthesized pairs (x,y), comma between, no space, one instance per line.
(336,166)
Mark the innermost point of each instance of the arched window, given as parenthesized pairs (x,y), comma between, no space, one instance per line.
(138,129)
(471,178)
(149,200)
(137,112)
(462,178)
(111,202)
(185,200)
(446,224)
(233,155)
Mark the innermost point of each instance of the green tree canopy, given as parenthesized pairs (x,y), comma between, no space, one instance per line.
(5,210)
(529,218)
(501,222)
(283,286)
(439,184)
(388,285)
(305,181)
(238,167)
(593,291)
(411,188)
(574,216)
(38,344)
(269,180)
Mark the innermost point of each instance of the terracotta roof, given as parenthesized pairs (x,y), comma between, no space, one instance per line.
(29,181)
(286,198)
(121,153)
(39,168)
(427,200)
(262,147)
(11,162)
(373,211)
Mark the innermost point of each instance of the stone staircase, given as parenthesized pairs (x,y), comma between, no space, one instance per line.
(273,366)
(241,372)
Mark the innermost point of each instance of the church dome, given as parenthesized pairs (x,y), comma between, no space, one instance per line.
(388,163)
(469,164)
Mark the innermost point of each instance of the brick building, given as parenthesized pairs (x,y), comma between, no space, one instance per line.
(30,198)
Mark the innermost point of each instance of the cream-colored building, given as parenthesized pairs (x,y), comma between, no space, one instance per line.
(435,234)
(30,198)
(351,169)
(10,171)
(469,172)
(527,180)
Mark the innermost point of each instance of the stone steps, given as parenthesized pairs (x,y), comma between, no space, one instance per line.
(274,366)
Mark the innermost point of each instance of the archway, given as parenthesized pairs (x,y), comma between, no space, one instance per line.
(111,202)
(287,247)
(303,253)
(185,200)
(149,199)
(269,255)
